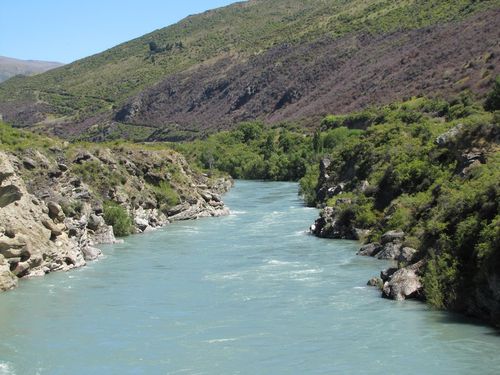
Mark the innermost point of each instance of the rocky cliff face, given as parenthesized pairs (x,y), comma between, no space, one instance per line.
(53,202)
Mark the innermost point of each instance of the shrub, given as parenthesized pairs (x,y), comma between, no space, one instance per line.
(165,194)
(116,216)
(492,102)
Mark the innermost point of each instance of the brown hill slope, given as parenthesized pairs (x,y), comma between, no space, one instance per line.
(279,60)
(296,83)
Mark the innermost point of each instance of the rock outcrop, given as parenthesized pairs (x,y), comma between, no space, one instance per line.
(52,211)
(395,283)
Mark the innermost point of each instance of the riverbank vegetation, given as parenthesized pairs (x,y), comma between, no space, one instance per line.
(428,167)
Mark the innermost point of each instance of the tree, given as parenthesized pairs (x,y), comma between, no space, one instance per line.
(153,47)
(492,102)
(317,142)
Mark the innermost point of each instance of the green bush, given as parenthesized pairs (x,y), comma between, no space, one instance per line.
(492,102)
(117,216)
(165,194)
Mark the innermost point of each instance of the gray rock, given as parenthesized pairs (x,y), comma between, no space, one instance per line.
(404,283)
(29,163)
(141,223)
(62,167)
(449,136)
(392,236)
(370,249)
(9,194)
(6,168)
(7,279)
(375,281)
(55,230)
(82,157)
(178,209)
(21,269)
(91,253)
(94,222)
(104,235)
(7,243)
(206,195)
(407,254)
(55,211)
(387,273)
(391,250)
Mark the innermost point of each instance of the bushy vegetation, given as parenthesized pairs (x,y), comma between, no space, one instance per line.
(118,217)
(166,195)
(492,102)
(18,140)
(443,195)
(253,152)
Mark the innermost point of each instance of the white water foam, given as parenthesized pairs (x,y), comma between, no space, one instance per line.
(5,369)
(225,276)
(275,262)
(217,341)
(236,212)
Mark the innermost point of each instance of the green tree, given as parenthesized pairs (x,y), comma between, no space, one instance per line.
(492,102)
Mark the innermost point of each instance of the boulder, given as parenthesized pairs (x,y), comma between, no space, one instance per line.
(95,222)
(387,273)
(83,157)
(375,281)
(29,163)
(404,283)
(392,236)
(104,234)
(335,190)
(206,196)
(91,253)
(178,209)
(391,250)
(370,249)
(62,167)
(407,254)
(6,168)
(7,279)
(141,223)
(21,269)
(9,194)
(55,211)
(8,243)
(55,230)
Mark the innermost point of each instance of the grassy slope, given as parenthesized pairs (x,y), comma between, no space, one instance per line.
(99,82)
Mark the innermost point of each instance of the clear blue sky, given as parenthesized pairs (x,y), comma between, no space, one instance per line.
(67,30)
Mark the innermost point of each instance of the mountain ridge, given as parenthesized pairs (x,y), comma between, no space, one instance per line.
(127,89)
(10,67)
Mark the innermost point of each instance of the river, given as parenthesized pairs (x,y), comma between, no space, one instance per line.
(250,293)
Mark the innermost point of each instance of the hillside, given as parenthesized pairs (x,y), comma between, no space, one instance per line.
(10,67)
(282,60)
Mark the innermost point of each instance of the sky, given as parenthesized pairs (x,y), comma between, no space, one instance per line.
(68,30)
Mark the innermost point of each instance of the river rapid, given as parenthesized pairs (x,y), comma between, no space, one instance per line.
(250,293)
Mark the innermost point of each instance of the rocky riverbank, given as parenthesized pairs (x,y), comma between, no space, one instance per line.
(424,193)
(56,202)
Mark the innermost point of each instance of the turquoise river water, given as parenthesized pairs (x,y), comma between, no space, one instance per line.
(250,293)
